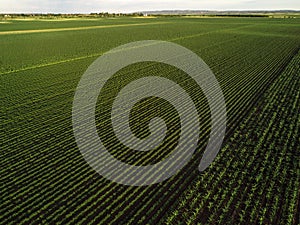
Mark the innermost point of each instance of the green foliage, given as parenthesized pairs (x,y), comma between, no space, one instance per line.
(255,178)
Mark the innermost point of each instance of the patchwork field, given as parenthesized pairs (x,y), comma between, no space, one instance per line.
(255,178)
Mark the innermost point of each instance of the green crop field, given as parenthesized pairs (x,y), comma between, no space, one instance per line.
(255,178)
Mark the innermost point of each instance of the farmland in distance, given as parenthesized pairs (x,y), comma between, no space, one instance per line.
(255,178)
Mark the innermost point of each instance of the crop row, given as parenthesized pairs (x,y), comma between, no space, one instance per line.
(255,189)
(46,176)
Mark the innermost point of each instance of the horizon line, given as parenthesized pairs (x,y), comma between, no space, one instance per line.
(161,10)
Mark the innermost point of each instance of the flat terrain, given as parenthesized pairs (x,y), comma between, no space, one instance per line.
(255,178)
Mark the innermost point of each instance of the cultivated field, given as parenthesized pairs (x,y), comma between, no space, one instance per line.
(255,178)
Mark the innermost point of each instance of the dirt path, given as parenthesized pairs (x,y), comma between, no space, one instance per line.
(77,28)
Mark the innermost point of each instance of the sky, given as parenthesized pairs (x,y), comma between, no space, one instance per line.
(88,6)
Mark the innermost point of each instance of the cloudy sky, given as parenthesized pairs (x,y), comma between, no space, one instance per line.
(87,6)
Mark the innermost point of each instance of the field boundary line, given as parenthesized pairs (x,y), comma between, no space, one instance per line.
(212,32)
(77,28)
(52,63)
(259,33)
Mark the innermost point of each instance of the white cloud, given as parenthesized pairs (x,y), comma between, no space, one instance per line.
(86,6)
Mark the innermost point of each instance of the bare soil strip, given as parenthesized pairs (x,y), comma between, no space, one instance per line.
(77,28)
